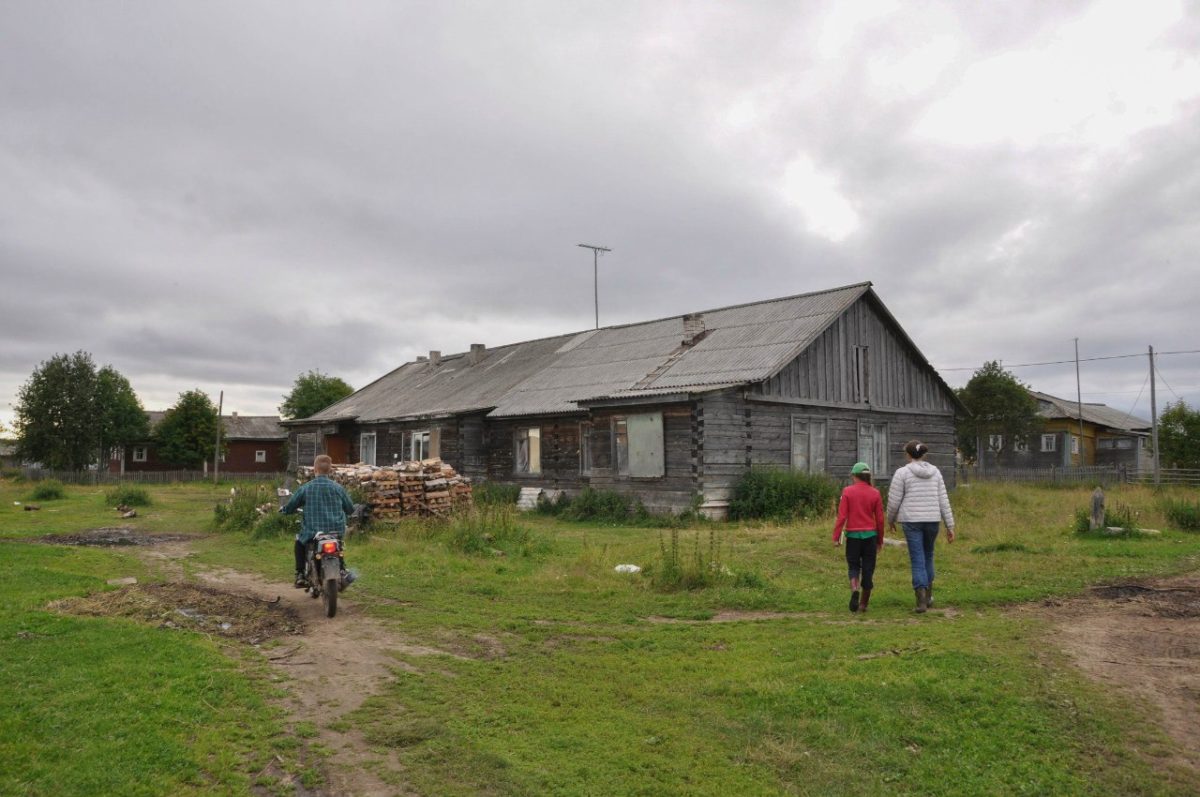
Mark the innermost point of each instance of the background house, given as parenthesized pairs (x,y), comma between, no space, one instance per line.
(667,411)
(252,443)
(8,454)
(1109,437)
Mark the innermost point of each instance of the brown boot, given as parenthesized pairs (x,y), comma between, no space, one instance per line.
(866,599)
(922,599)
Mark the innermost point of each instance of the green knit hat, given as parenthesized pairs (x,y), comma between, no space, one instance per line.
(860,467)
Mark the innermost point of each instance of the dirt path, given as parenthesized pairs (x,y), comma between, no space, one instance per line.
(1142,638)
(330,669)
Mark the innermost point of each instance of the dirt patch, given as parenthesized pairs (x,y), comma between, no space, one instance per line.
(118,535)
(730,616)
(192,607)
(1141,638)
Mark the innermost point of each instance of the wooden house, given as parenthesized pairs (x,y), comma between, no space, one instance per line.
(1106,436)
(252,444)
(670,411)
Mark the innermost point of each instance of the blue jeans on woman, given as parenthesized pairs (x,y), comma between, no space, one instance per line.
(920,538)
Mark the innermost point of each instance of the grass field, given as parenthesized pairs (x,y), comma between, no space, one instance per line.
(572,679)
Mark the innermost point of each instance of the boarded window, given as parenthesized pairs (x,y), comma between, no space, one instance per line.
(873,446)
(306,449)
(527,451)
(638,445)
(1049,443)
(809,444)
(585,449)
(366,448)
(861,375)
(260,456)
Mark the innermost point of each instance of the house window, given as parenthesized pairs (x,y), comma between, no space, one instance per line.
(873,446)
(1074,444)
(638,445)
(260,456)
(139,453)
(861,376)
(366,448)
(585,449)
(1049,443)
(423,444)
(306,449)
(527,451)
(1020,446)
(995,442)
(809,443)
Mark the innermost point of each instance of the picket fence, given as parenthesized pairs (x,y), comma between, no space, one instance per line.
(142,477)
(1097,474)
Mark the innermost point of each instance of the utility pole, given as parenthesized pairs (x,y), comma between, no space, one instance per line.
(1153,418)
(1079,404)
(217,447)
(596,250)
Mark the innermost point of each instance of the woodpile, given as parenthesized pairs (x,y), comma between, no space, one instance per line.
(406,489)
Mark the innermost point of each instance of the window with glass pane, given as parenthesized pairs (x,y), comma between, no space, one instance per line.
(1049,443)
(527,456)
(418,445)
(873,446)
(260,456)
(809,444)
(366,448)
(585,449)
(620,438)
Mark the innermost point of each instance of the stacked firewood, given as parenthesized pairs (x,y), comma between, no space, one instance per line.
(406,489)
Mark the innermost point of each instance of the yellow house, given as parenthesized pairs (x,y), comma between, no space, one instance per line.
(1095,434)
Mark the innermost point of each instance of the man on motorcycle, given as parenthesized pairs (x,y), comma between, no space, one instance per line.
(326,505)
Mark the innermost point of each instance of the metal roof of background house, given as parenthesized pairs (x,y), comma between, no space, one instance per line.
(1053,407)
(253,427)
(741,344)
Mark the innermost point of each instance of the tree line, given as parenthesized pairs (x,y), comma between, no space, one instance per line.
(71,415)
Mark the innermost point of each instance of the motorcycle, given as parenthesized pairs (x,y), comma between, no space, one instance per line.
(324,572)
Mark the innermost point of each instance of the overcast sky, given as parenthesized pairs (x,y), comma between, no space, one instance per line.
(225,195)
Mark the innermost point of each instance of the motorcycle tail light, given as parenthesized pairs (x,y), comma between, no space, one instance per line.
(329,547)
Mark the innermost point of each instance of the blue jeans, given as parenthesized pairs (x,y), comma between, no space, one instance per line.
(920,538)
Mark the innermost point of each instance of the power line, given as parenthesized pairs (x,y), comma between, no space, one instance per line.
(1082,360)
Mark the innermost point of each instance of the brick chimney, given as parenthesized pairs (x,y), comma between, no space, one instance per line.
(477,352)
(435,358)
(693,328)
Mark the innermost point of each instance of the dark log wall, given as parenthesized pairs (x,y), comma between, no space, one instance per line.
(679,484)
(559,447)
(897,377)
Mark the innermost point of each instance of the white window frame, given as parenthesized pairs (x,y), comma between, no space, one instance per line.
(1049,443)
(363,449)
(876,449)
(639,445)
(585,448)
(1074,444)
(527,451)
(809,444)
(139,453)
(420,442)
(260,456)
(995,442)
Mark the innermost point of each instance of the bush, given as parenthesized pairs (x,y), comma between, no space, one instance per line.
(274,525)
(48,490)
(783,495)
(602,505)
(128,496)
(1184,514)
(494,494)
(240,512)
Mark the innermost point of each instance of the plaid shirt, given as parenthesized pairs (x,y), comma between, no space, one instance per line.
(326,505)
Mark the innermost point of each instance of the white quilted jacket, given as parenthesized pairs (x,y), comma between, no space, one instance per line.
(917,494)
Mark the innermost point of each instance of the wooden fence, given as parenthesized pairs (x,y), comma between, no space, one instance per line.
(1089,475)
(143,477)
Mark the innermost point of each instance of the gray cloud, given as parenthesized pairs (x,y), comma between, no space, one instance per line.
(226,195)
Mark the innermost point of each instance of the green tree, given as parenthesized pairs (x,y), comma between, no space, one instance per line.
(999,404)
(68,414)
(187,432)
(312,392)
(1179,436)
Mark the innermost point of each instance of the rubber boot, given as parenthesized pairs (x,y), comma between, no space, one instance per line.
(922,599)
(866,599)
(854,601)
(929,597)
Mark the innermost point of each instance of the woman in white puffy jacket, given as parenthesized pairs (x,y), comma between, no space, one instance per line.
(917,498)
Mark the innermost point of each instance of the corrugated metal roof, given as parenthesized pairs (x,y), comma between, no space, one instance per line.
(253,427)
(742,344)
(1099,414)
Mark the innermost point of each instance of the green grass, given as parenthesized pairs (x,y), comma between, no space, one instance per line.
(560,683)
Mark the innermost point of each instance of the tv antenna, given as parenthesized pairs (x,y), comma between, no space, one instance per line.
(596,250)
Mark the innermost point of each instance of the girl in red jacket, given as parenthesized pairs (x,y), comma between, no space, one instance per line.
(860,513)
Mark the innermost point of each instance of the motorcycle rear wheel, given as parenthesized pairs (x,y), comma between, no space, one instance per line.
(330,594)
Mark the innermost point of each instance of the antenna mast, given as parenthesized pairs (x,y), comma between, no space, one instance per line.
(596,250)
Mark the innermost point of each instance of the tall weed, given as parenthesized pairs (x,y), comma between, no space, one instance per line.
(48,490)
(1184,514)
(495,494)
(680,570)
(127,495)
(487,529)
(779,494)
